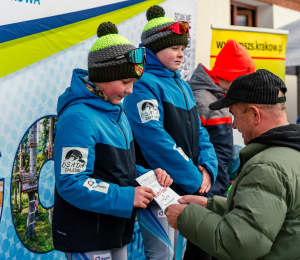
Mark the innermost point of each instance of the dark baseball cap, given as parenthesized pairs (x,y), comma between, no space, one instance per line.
(260,87)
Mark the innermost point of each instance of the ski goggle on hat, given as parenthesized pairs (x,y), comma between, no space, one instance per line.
(180,27)
(135,56)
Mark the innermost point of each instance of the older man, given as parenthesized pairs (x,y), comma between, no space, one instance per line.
(261,216)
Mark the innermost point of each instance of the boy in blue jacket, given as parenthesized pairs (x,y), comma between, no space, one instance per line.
(163,115)
(95,199)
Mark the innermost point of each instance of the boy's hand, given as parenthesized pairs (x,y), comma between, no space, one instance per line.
(163,178)
(193,199)
(206,182)
(142,197)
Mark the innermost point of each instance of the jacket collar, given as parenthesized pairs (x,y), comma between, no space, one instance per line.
(78,93)
(201,80)
(249,151)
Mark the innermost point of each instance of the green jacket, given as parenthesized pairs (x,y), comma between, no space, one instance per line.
(260,219)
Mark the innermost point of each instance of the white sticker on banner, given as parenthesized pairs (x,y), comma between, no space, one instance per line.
(178,149)
(102,257)
(161,214)
(74,160)
(91,184)
(148,110)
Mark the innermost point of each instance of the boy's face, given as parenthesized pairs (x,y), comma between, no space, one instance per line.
(171,57)
(117,90)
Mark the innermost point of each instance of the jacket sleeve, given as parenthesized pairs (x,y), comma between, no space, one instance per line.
(78,188)
(207,155)
(217,205)
(140,170)
(250,227)
(158,147)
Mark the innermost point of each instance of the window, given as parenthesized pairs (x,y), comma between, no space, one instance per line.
(243,15)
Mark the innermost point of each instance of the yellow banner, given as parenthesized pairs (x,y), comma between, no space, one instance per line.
(266,46)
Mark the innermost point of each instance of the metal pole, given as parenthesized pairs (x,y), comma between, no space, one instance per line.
(20,184)
(30,231)
(15,186)
(50,152)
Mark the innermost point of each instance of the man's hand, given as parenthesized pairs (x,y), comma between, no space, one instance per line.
(206,182)
(193,199)
(163,178)
(172,212)
(142,197)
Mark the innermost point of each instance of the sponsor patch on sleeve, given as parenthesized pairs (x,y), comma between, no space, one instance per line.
(91,184)
(148,110)
(74,160)
(178,149)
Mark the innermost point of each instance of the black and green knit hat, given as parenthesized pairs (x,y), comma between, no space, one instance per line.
(101,65)
(155,40)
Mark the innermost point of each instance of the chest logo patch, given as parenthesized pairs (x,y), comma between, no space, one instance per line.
(178,149)
(148,110)
(74,160)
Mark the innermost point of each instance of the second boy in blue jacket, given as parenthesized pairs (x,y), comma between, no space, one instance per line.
(168,134)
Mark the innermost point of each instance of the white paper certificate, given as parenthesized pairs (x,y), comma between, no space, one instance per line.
(165,196)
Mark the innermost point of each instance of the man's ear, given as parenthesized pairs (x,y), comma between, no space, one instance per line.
(255,114)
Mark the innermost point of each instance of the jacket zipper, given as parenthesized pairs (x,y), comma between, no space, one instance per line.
(188,115)
(129,164)
(128,156)
(98,224)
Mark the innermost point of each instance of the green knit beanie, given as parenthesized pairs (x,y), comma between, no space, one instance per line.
(102,66)
(155,40)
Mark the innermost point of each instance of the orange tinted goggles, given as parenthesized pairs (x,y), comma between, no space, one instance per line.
(180,27)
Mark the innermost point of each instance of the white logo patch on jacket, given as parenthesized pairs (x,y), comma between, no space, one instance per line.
(74,160)
(148,110)
(178,149)
(102,257)
(91,184)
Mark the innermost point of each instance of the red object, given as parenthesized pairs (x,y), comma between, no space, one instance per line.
(233,61)
(212,75)
(215,121)
(180,27)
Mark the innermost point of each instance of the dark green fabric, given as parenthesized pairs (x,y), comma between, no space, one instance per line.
(262,213)
(217,205)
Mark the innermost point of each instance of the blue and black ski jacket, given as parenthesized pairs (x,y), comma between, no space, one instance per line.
(217,124)
(168,134)
(95,170)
